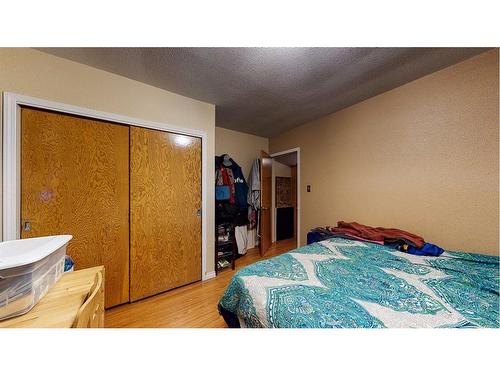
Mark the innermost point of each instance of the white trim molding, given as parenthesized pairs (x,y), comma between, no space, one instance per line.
(11,192)
(297,150)
(209,275)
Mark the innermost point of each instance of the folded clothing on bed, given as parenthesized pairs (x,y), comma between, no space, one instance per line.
(319,234)
(388,235)
(402,244)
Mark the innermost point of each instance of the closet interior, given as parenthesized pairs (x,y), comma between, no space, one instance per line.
(236,206)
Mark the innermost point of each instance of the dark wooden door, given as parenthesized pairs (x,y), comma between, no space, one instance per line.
(266,170)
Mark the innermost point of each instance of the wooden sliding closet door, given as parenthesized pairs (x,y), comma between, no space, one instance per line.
(75,180)
(165,221)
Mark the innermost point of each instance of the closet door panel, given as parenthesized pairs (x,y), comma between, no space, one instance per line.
(165,196)
(74,180)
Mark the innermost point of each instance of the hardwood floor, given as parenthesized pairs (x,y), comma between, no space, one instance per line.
(191,306)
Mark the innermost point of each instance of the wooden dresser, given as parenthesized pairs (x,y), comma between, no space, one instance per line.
(61,305)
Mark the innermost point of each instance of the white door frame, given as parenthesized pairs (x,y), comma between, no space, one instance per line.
(289,151)
(11,189)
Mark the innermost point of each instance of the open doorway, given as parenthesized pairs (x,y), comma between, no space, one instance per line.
(283,176)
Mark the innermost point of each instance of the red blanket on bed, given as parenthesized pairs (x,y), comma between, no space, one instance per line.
(378,233)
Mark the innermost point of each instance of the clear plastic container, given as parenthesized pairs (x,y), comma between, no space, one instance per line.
(28,268)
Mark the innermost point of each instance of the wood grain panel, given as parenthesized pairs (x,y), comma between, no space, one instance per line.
(74,180)
(165,195)
(266,165)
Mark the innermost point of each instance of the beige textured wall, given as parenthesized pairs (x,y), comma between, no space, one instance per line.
(242,147)
(34,73)
(423,157)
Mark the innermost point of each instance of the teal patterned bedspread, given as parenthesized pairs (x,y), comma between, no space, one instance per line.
(341,283)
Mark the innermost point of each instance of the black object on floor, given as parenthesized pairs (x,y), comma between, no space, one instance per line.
(231,319)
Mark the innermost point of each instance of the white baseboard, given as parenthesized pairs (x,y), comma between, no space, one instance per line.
(208,275)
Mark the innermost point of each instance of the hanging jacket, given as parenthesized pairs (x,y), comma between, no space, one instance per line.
(237,183)
(253,196)
(240,185)
(224,185)
(230,179)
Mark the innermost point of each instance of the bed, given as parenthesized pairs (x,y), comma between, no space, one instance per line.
(343,283)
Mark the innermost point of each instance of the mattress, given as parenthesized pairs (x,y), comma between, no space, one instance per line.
(342,283)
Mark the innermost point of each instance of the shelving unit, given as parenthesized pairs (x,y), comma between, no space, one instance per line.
(225,246)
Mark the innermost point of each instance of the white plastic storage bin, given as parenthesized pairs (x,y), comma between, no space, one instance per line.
(28,268)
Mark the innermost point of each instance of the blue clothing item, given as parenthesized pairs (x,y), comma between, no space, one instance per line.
(240,186)
(317,235)
(68,263)
(240,194)
(313,237)
(428,249)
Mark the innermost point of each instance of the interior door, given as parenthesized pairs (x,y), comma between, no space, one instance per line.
(294,198)
(74,180)
(266,165)
(165,203)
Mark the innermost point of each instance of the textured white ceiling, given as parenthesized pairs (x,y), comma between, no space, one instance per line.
(266,91)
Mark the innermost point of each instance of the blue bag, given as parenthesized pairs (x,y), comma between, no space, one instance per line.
(222,193)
